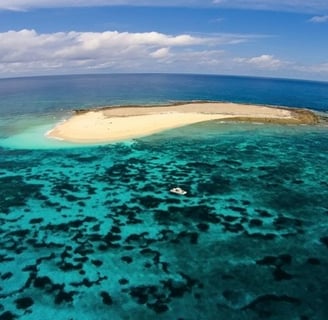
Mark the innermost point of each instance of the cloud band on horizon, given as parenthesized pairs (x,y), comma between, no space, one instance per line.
(27,52)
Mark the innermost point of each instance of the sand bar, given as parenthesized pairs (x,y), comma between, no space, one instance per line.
(121,123)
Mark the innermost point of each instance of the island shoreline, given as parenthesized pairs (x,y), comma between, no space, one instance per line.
(119,123)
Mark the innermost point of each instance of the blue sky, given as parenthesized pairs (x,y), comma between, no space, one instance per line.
(271,38)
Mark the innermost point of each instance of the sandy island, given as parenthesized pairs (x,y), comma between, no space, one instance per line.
(121,123)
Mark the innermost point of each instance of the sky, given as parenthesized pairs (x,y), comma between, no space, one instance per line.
(265,38)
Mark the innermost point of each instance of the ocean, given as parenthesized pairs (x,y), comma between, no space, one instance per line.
(93,232)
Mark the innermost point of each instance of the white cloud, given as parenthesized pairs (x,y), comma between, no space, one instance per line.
(27,51)
(320,69)
(198,59)
(161,53)
(268,65)
(264,61)
(190,61)
(319,19)
(315,6)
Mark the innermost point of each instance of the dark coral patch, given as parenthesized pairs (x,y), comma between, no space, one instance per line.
(123,281)
(263,213)
(36,221)
(203,227)
(140,294)
(150,201)
(313,261)
(42,282)
(127,259)
(106,298)
(63,296)
(265,301)
(255,223)
(183,235)
(6,275)
(324,240)
(279,274)
(16,192)
(158,307)
(7,315)
(24,303)
(97,263)
(196,214)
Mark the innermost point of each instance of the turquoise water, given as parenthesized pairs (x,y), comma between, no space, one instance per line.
(94,232)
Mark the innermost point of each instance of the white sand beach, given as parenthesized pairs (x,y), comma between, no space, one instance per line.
(121,123)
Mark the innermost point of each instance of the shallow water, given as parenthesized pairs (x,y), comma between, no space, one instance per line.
(94,233)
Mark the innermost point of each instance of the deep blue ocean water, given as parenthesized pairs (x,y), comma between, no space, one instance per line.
(92,232)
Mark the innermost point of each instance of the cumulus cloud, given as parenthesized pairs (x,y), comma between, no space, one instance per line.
(264,61)
(27,51)
(321,69)
(319,19)
(269,65)
(315,6)
(161,53)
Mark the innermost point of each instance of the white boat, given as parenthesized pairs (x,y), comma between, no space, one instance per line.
(178,190)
